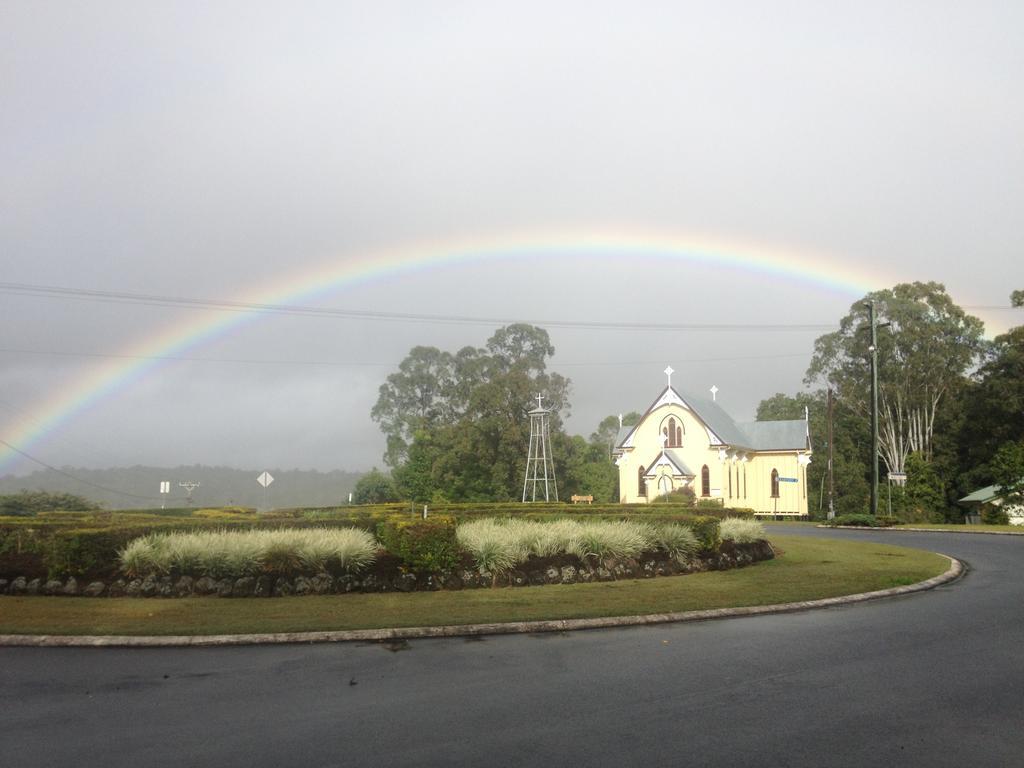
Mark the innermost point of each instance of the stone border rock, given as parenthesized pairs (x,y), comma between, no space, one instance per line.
(955,570)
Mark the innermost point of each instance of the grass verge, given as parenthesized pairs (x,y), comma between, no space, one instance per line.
(807,569)
(961,528)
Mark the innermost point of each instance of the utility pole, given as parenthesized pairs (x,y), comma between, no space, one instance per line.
(873,349)
(831,478)
(190,485)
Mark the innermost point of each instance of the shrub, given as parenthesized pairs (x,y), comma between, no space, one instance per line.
(741,531)
(744,512)
(994,515)
(423,546)
(373,488)
(31,502)
(215,512)
(684,496)
(861,520)
(709,504)
(705,528)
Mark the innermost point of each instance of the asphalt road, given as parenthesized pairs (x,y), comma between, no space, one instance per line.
(934,679)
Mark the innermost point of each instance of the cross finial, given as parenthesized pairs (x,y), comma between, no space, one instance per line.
(714,393)
(540,398)
(620,421)
(668,372)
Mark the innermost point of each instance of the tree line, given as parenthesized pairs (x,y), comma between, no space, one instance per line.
(951,413)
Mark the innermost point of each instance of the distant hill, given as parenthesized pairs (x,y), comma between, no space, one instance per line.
(139,487)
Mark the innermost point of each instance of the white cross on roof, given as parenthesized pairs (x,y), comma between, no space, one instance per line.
(668,372)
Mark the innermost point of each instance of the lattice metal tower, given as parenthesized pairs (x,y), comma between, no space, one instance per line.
(540,466)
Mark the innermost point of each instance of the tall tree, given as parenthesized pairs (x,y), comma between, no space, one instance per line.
(583,468)
(1008,470)
(927,348)
(457,425)
(608,430)
(422,394)
(993,409)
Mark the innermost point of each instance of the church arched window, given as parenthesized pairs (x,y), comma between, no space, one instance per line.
(775,483)
(641,481)
(705,481)
(672,433)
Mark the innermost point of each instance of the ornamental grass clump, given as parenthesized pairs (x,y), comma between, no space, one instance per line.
(500,545)
(554,538)
(740,530)
(234,554)
(603,540)
(494,547)
(677,540)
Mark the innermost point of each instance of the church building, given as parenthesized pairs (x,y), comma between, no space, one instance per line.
(687,441)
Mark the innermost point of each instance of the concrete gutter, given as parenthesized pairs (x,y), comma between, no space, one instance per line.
(955,570)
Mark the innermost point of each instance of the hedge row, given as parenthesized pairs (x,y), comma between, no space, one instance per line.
(423,545)
(59,551)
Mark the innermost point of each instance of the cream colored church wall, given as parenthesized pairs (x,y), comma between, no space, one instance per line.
(697,451)
(792,496)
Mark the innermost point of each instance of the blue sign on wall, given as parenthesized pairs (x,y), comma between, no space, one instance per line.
(787,479)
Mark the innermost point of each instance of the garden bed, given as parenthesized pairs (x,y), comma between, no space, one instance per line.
(387,574)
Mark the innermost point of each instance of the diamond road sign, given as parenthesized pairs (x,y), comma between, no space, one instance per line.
(265,479)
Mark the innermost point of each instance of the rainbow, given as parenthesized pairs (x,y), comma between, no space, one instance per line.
(109,377)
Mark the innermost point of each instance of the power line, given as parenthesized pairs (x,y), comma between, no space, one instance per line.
(72,477)
(226,305)
(367,364)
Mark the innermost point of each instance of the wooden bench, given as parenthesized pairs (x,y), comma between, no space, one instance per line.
(581,499)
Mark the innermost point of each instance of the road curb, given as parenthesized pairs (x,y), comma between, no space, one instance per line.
(916,530)
(955,570)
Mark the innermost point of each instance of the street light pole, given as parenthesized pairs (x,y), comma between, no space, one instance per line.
(831,477)
(874,408)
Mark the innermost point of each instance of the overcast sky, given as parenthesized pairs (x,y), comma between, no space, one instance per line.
(216,150)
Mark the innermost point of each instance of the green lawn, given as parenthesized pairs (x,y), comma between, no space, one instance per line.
(806,569)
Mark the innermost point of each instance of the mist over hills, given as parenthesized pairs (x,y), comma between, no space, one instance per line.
(139,487)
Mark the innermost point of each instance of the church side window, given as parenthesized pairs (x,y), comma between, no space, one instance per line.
(705,481)
(730,482)
(775,483)
(641,482)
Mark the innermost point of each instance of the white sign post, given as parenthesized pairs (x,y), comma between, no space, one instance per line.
(265,479)
(165,488)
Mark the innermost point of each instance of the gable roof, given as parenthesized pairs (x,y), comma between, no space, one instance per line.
(982,495)
(755,435)
(776,435)
(623,433)
(672,458)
